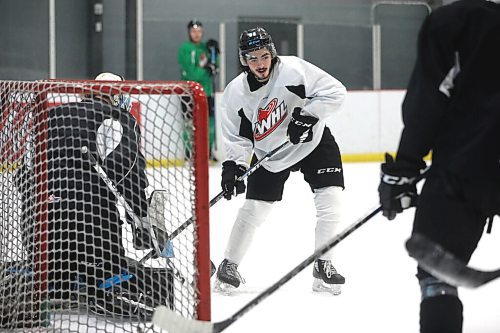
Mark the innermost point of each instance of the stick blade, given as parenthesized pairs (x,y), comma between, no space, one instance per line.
(168,320)
(445,266)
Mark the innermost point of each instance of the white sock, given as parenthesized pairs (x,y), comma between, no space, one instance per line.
(250,216)
(329,205)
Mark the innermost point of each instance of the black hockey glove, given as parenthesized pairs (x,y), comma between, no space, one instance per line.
(397,190)
(211,69)
(230,172)
(300,127)
(162,238)
(212,44)
(142,237)
(143,240)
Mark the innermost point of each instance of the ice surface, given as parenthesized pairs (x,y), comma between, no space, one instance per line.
(381,293)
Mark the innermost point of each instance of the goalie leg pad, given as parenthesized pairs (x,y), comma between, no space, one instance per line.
(134,294)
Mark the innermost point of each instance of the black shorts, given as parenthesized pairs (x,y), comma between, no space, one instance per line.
(321,168)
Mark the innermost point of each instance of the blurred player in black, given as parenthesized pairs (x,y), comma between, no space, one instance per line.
(452,108)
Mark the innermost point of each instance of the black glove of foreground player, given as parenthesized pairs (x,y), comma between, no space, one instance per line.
(397,190)
(230,172)
(300,127)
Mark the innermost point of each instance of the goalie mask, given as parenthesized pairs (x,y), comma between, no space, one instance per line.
(122,101)
(255,39)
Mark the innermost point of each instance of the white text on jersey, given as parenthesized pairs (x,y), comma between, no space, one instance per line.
(269,118)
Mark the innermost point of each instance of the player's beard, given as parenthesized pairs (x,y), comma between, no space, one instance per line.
(261,74)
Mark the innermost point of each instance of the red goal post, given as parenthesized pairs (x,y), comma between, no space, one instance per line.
(173,118)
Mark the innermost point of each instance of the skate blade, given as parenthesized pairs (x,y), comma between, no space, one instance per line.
(321,287)
(223,288)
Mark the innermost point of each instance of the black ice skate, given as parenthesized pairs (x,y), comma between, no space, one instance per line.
(326,278)
(228,278)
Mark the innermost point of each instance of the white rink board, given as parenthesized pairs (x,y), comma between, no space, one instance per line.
(161,123)
(369,122)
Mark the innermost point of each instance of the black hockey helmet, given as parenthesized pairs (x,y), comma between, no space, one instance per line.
(194,23)
(255,39)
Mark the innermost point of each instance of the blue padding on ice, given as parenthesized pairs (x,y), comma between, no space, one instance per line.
(115,280)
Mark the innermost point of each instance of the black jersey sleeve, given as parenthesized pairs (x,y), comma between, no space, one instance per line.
(425,102)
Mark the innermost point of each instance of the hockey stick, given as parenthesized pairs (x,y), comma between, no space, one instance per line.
(119,197)
(175,323)
(219,196)
(445,266)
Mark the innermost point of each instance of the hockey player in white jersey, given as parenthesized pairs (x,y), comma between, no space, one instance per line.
(279,98)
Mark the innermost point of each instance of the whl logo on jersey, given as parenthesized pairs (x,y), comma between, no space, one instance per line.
(269,118)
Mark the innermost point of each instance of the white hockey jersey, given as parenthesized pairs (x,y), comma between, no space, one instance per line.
(257,121)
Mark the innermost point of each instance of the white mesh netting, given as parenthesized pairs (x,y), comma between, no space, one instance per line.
(75,223)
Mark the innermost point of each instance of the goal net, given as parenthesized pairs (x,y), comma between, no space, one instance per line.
(94,177)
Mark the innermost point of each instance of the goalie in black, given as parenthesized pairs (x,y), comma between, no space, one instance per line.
(86,254)
(452,107)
